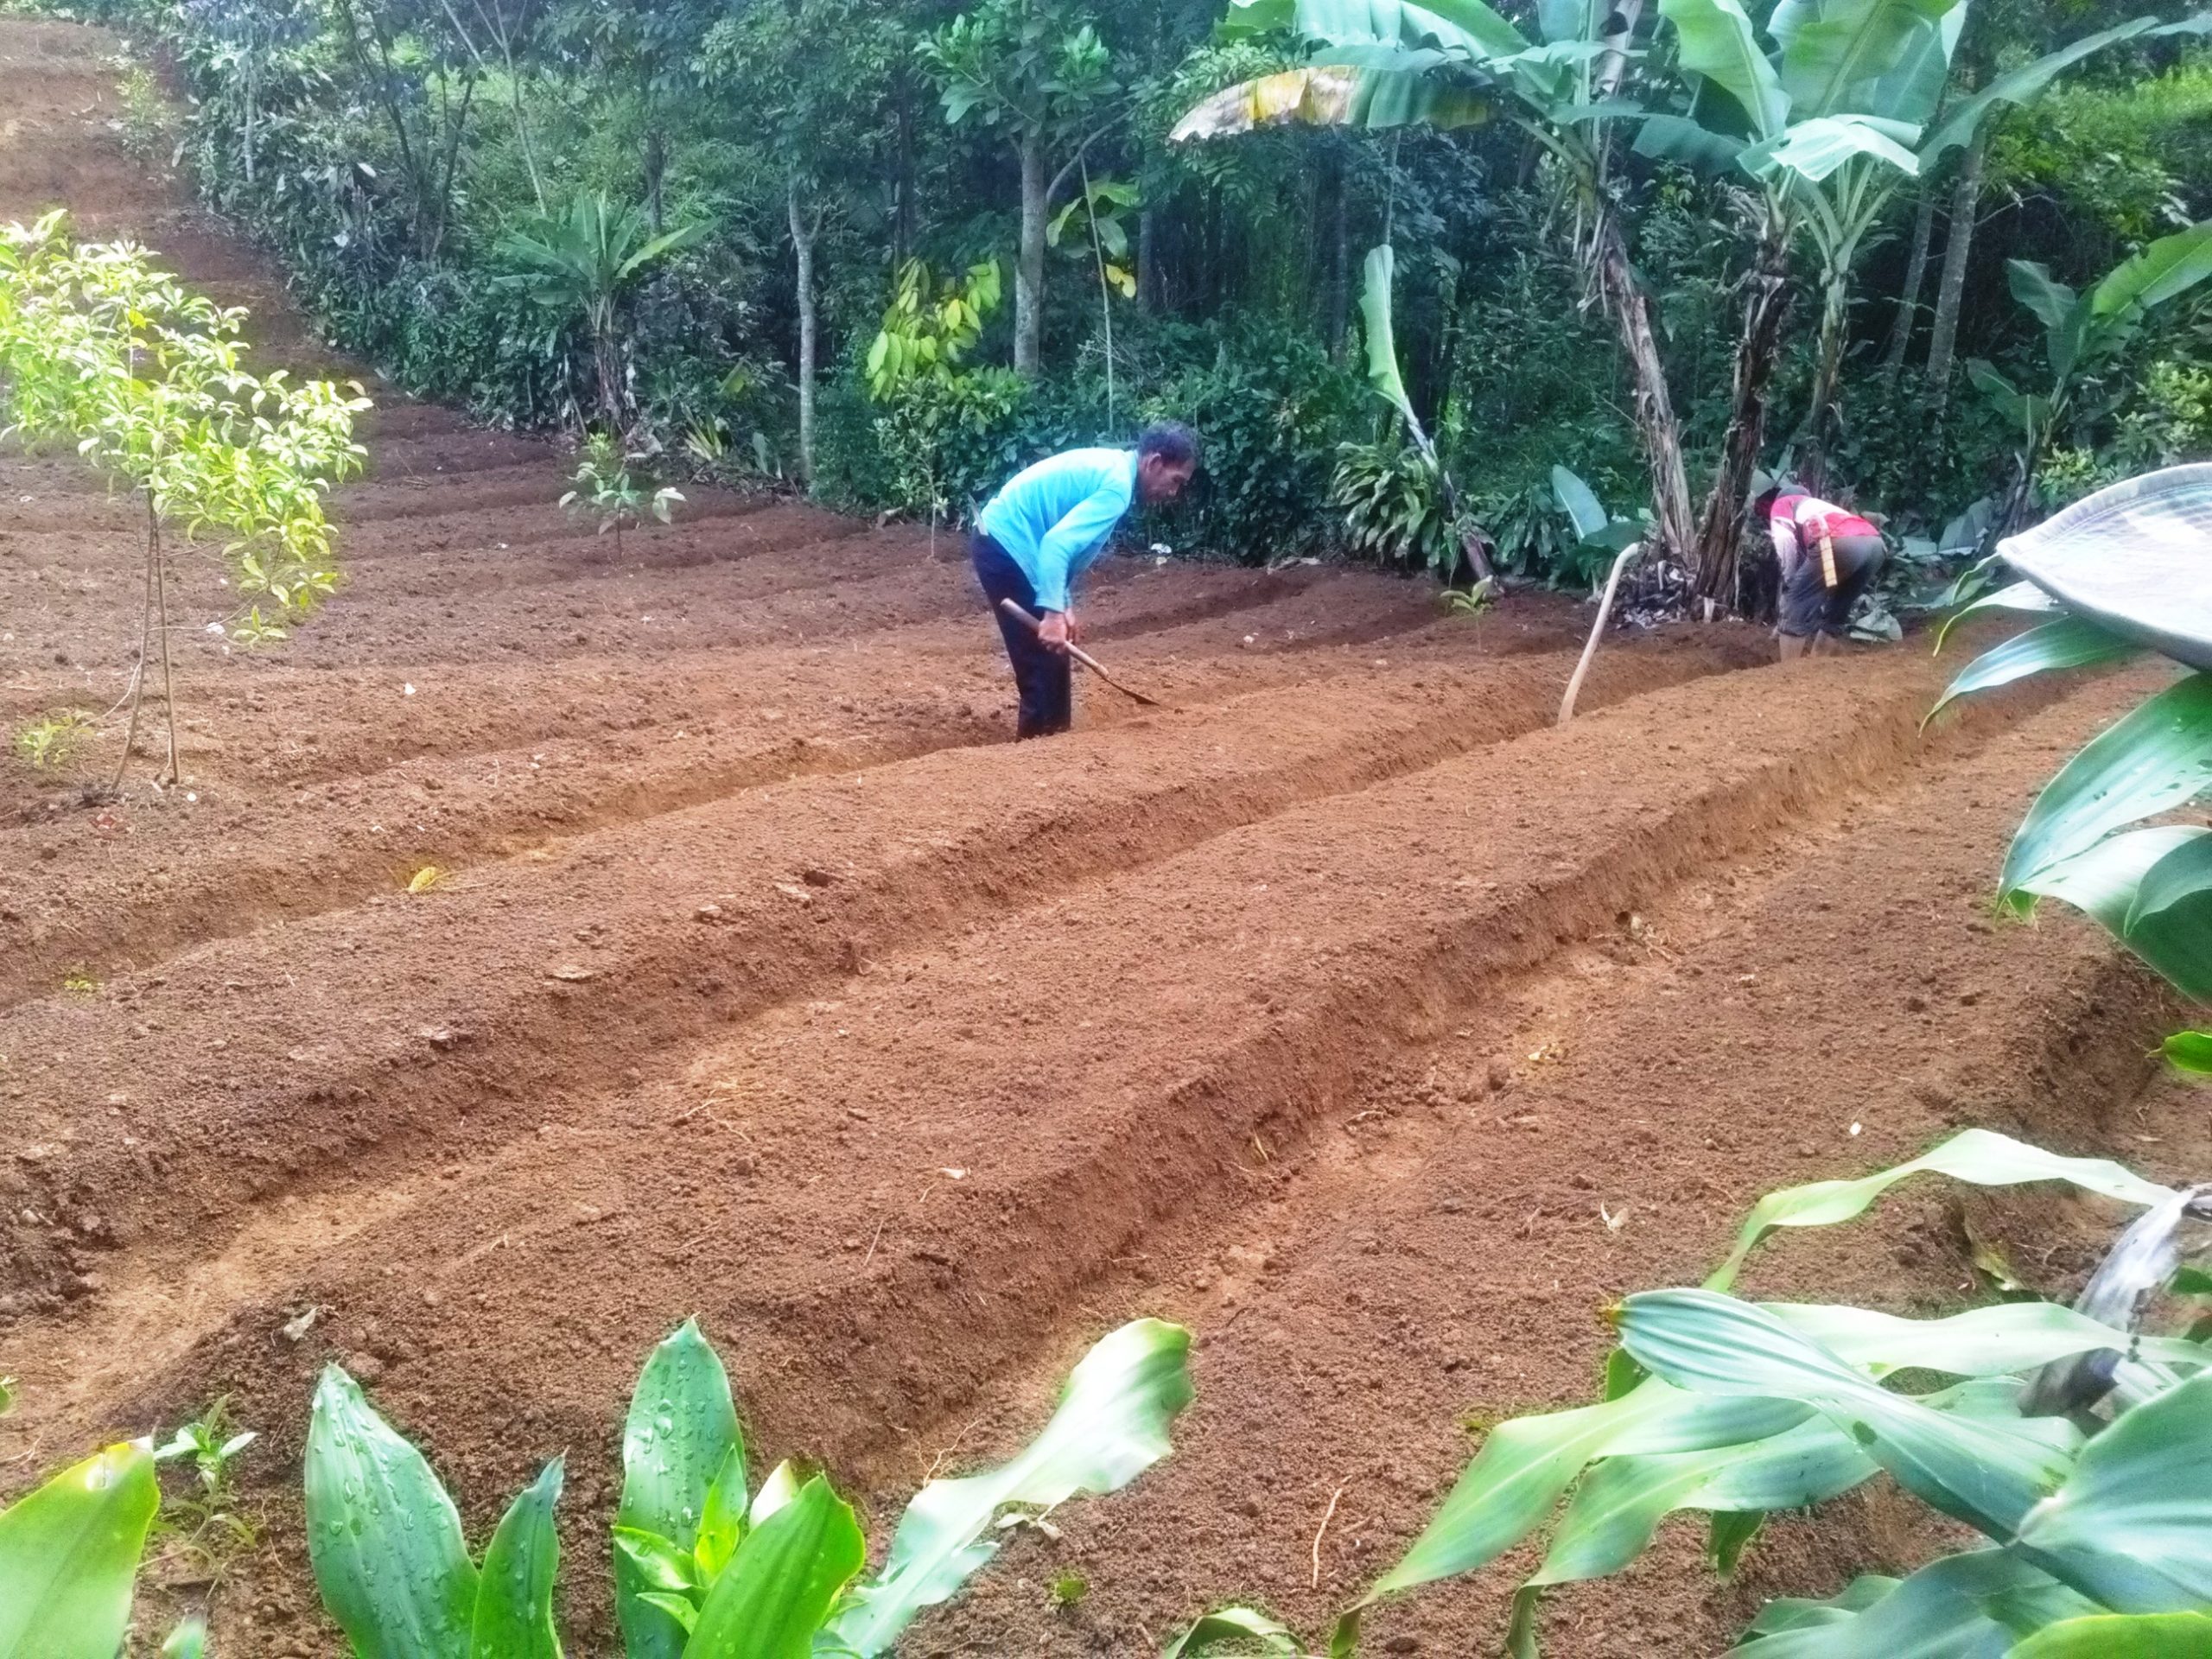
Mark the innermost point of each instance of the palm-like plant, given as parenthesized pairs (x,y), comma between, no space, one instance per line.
(581,267)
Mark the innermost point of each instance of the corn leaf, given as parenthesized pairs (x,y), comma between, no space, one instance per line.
(2067,642)
(2190,1051)
(2104,880)
(2170,924)
(786,1576)
(1242,1624)
(2107,1636)
(1110,1426)
(1526,1465)
(69,1557)
(187,1641)
(1989,1342)
(2128,1527)
(383,1535)
(721,1523)
(2158,758)
(1981,1157)
(2019,596)
(2136,559)
(681,1432)
(1942,1611)
(514,1591)
(1986,1474)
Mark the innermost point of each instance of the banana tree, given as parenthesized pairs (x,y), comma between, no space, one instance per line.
(1451,64)
(2080,331)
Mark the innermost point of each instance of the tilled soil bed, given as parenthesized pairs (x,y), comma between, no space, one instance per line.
(1344,1010)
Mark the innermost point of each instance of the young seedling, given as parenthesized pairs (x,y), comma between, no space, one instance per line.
(47,743)
(605,488)
(205,1527)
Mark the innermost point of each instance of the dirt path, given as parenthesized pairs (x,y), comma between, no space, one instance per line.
(1345,1011)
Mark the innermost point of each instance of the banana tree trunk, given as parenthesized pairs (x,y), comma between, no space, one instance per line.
(1825,422)
(1766,307)
(1915,275)
(1661,432)
(1029,270)
(1958,249)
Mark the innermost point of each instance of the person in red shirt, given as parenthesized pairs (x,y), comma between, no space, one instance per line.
(1829,556)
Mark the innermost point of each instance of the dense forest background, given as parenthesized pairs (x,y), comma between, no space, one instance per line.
(971,223)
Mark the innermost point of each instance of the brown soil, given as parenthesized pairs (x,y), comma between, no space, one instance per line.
(1346,1011)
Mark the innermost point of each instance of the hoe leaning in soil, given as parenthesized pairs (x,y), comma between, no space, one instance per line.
(1081,656)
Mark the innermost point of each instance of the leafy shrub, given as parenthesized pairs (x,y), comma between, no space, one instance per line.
(1394,507)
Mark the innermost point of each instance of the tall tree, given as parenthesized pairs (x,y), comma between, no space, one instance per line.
(1033,71)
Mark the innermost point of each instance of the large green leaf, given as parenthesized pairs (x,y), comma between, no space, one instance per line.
(1813,149)
(2017,596)
(1247,1626)
(1110,1426)
(1678,138)
(2068,642)
(2136,559)
(2158,758)
(514,1591)
(1983,1341)
(69,1557)
(2034,287)
(1580,504)
(1363,96)
(2027,83)
(787,1575)
(1948,1610)
(2105,881)
(680,1433)
(2169,924)
(1466,28)
(2167,269)
(2122,1636)
(2190,1051)
(1838,57)
(1527,1465)
(2129,1526)
(383,1535)
(1719,42)
(1985,1473)
(1981,1157)
(1375,310)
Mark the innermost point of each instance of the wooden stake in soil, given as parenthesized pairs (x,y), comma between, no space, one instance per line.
(145,641)
(1597,630)
(1081,656)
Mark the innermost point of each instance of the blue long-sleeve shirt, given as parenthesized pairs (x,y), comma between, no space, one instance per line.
(1054,518)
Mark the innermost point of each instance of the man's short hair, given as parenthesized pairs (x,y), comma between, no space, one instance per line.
(1171,440)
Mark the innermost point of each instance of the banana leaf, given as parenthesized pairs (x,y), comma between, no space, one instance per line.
(1370,96)
(1468,29)
(1717,41)
(69,1557)
(1838,57)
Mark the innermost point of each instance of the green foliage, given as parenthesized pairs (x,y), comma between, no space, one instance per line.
(607,489)
(931,326)
(702,1570)
(49,742)
(206,1524)
(69,1556)
(1394,507)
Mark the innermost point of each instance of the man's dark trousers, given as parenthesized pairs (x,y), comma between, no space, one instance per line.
(1041,675)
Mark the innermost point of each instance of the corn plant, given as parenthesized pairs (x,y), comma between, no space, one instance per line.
(705,1567)
(69,1556)
(1732,1409)
(101,349)
(49,742)
(2124,572)
(606,487)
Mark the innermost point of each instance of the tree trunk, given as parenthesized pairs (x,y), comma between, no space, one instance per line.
(1661,432)
(902,219)
(656,176)
(1824,423)
(1766,307)
(1029,271)
(252,112)
(1916,275)
(803,236)
(1958,248)
(1149,257)
(1339,307)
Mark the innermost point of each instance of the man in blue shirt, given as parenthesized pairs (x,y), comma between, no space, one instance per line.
(1046,529)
